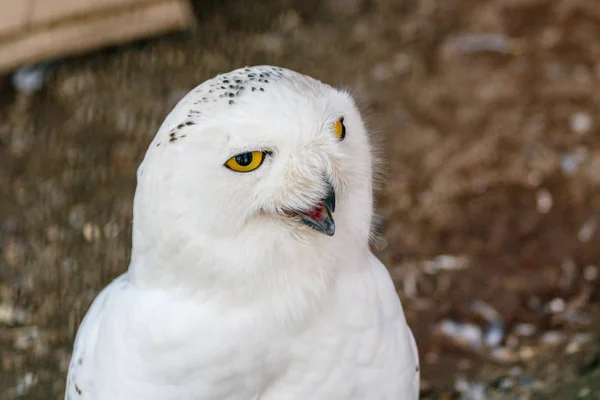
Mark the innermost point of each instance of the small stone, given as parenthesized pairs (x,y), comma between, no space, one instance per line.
(489,313)
(53,233)
(553,338)
(25,384)
(583,338)
(477,391)
(525,329)
(381,72)
(111,230)
(503,354)
(14,252)
(11,315)
(409,284)
(289,21)
(534,178)
(526,352)
(26,338)
(506,383)
(557,306)
(361,31)
(494,335)
(544,201)
(461,385)
(587,230)
(464,334)
(270,43)
(516,371)
(402,63)
(539,385)
(91,232)
(581,122)
(476,43)
(590,273)
(77,217)
(30,79)
(568,165)
(571,162)
(577,316)
(573,347)
(584,392)
(447,263)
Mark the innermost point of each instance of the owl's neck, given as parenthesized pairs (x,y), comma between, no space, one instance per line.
(277,268)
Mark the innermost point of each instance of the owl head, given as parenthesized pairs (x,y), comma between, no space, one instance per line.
(257,165)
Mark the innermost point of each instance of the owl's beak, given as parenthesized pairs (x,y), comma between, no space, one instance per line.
(319,218)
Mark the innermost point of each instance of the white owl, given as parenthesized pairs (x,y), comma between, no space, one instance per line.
(240,286)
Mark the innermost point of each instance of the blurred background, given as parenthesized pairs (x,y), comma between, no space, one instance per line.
(486,113)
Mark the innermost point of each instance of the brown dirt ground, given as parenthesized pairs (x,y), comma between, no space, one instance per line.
(492,156)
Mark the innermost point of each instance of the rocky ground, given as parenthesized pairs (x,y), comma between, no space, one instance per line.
(486,114)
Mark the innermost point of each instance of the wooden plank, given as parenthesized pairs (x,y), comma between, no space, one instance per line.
(46,11)
(80,35)
(13,15)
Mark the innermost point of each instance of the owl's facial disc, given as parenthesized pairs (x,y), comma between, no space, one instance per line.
(319,217)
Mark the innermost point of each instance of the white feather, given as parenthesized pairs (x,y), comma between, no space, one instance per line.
(226,296)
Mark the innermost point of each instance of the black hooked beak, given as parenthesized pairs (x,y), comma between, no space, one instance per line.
(319,218)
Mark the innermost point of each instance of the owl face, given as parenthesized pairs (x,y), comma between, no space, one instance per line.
(260,151)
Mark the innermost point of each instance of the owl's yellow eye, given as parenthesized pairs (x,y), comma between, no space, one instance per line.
(339,129)
(246,162)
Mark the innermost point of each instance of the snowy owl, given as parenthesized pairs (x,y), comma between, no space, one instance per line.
(251,275)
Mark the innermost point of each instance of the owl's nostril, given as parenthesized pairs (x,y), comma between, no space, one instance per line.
(329,200)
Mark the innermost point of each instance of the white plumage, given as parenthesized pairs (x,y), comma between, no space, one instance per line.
(233,290)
